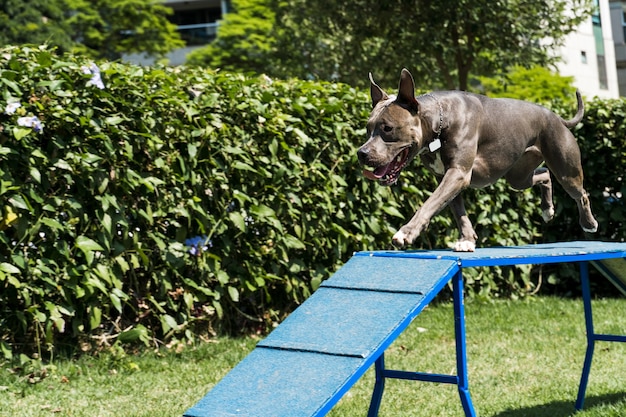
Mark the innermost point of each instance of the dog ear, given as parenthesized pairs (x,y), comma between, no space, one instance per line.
(376,92)
(406,91)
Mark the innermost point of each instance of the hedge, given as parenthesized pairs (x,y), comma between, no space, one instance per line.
(154,204)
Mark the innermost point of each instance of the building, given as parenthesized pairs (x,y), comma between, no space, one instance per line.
(618,22)
(197,22)
(596,54)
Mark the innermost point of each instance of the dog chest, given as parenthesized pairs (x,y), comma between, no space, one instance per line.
(433,162)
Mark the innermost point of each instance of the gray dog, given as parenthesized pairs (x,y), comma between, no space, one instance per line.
(469,140)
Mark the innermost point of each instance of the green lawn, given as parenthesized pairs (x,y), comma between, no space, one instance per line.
(525,359)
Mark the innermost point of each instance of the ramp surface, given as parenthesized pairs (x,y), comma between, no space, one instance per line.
(308,362)
(518,255)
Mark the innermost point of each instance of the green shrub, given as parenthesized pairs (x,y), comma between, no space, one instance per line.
(176,202)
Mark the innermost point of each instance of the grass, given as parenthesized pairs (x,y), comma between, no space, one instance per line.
(525,359)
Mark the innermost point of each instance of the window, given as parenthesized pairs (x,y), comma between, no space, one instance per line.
(197,21)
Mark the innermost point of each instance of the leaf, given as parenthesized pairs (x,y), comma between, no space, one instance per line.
(233,293)
(52,223)
(20,132)
(139,333)
(113,120)
(9,268)
(95,317)
(62,164)
(6,350)
(293,242)
(237,220)
(392,211)
(262,211)
(168,322)
(12,85)
(115,300)
(87,245)
(243,166)
(304,138)
(34,172)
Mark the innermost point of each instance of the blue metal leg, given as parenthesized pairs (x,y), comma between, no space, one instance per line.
(461,350)
(379,387)
(460,379)
(584,279)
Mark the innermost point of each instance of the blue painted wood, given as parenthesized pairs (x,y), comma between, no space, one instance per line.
(276,383)
(560,252)
(329,342)
(409,275)
(344,322)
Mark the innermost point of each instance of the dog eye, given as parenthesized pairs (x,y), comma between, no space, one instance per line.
(387,128)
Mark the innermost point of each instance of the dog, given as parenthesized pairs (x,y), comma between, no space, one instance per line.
(470,140)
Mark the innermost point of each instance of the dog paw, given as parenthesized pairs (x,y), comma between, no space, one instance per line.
(592,229)
(464,246)
(400,240)
(547,214)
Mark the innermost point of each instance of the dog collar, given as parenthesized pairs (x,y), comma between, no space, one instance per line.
(434,145)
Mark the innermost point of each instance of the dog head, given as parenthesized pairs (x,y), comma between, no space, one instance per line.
(394,131)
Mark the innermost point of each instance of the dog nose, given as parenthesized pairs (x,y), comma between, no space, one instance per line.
(363,155)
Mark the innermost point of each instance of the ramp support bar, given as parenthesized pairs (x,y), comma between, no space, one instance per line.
(460,380)
(592,336)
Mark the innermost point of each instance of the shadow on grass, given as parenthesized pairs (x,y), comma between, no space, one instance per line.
(563,408)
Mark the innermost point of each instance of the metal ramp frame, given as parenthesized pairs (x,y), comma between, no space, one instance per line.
(311,360)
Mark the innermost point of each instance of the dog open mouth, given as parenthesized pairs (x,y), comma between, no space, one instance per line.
(388,174)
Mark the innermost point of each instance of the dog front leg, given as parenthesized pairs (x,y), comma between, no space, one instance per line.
(468,237)
(452,183)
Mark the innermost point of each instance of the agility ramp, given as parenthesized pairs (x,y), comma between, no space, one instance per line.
(317,354)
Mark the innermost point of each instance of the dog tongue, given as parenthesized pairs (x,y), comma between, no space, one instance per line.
(378,173)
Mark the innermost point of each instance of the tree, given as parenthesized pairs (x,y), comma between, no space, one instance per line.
(442,42)
(100,28)
(109,28)
(34,21)
(245,39)
(536,84)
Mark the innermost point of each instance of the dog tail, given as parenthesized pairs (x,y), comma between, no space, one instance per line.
(579,114)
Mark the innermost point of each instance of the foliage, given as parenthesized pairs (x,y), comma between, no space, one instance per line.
(109,28)
(244,39)
(160,203)
(100,28)
(35,21)
(441,42)
(536,84)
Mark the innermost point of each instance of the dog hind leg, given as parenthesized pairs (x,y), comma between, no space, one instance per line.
(541,177)
(523,176)
(565,164)
(573,187)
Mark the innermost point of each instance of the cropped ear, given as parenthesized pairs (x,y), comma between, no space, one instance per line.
(376,92)
(406,91)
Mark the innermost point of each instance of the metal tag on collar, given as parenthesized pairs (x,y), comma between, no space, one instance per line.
(434,145)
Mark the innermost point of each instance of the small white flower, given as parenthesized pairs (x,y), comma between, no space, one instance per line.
(32,122)
(96,79)
(11,107)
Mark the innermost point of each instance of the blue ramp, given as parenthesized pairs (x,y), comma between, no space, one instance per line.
(313,358)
